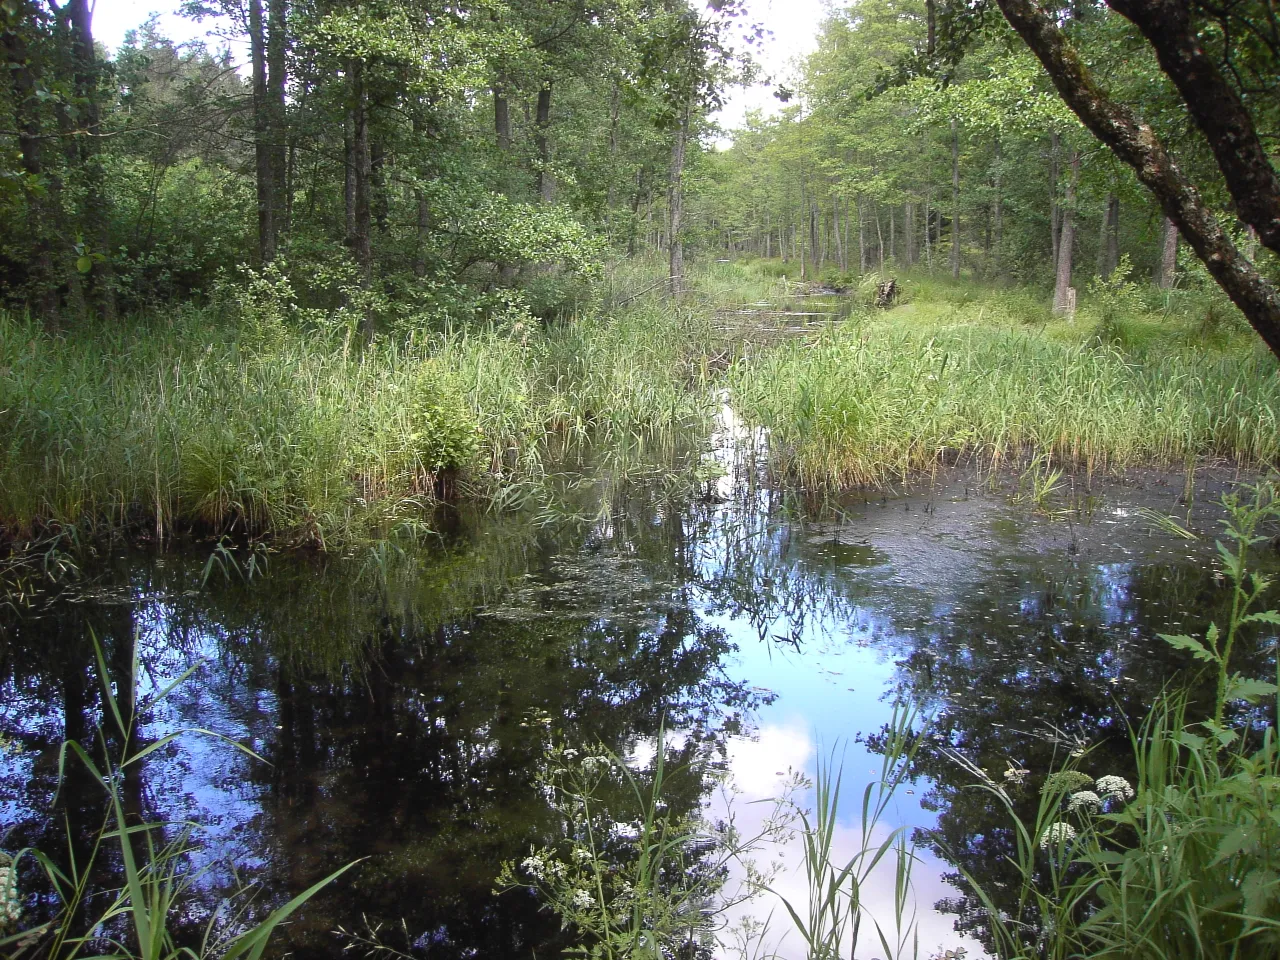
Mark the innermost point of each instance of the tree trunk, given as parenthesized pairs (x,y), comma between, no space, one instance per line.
(1168,272)
(1054,210)
(862,238)
(362,236)
(277,83)
(675,204)
(379,202)
(546,180)
(1134,142)
(97,215)
(997,211)
(1063,294)
(1109,238)
(955,200)
(41,282)
(501,116)
(879,239)
(908,233)
(928,243)
(261,134)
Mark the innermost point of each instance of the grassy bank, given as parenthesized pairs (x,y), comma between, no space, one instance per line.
(238,422)
(961,372)
(200,423)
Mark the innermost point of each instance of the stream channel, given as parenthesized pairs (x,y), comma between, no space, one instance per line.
(405,698)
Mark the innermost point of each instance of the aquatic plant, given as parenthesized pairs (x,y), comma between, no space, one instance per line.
(649,887)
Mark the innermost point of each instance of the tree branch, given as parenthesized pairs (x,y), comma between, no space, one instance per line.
(1136,144)
(1216,109)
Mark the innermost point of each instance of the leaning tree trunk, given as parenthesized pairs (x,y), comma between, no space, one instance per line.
(1064,295)
(1138,145)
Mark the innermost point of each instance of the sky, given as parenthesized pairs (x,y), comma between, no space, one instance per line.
(792,27)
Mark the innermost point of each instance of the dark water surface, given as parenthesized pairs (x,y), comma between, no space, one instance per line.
(404,699)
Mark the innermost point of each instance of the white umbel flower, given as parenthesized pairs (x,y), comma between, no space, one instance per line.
(582,900)
(10,905)
(534,867)
(1057,833)
(1114,788)
(1084,800)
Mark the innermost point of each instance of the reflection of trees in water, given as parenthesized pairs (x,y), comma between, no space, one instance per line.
(402,721)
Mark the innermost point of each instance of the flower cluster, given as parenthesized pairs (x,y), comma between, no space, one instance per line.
(582,900)
(1057,833)
(1084,800)
(10,905)
(1114,788)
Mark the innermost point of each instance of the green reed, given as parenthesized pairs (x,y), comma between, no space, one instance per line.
(875,402)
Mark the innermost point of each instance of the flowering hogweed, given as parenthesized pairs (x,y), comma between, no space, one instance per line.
(10,905)
(1114,788)
(1057,833)
(1084,800)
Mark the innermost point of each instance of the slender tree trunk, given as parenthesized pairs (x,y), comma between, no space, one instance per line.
(1168,272)
(1054,210)
(908,232)
(1109,242)
(955,200)
(615,110)
(675,203)
(502,115)
(349,172)
(97,213)
(379,202)
(362,238)
(42,284)
(862,237)
(261,135)
(893,240)
(997,210)
(277,83)
(1063,292)
(835,230)
(928,243)
(879,240)
(546,180)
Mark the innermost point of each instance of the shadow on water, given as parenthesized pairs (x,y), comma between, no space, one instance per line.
(405,698)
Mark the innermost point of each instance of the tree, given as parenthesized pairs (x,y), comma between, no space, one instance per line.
(1218,111)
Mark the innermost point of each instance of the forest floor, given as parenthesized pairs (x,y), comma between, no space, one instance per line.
(250,427)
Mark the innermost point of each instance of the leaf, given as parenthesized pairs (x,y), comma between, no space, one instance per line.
(1238,840)
(253,943)
(1240,688)
(1265,616)
(1183,642)
(84,264)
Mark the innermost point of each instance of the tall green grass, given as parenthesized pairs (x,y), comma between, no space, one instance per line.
(206,424)
(876,401)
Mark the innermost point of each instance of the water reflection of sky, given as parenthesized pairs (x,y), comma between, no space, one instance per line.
(836,687)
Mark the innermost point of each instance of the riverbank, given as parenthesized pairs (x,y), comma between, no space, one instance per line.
(212,424)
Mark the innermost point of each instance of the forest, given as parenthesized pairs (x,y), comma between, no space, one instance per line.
(444,466)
